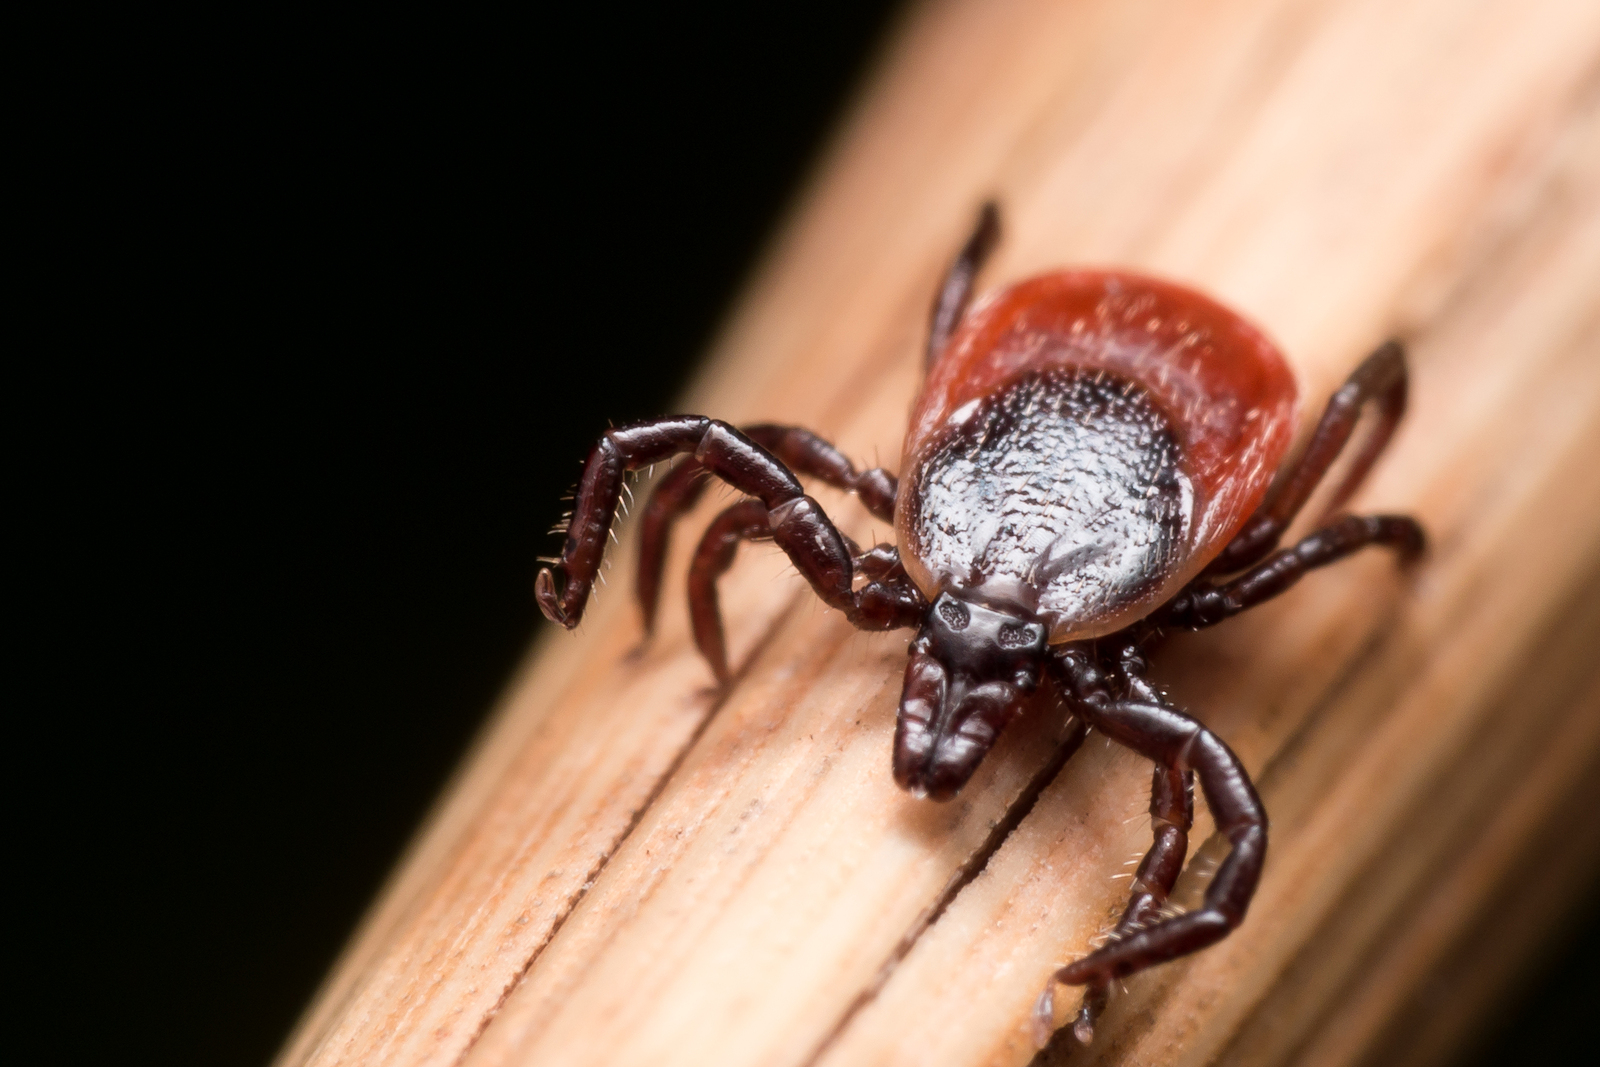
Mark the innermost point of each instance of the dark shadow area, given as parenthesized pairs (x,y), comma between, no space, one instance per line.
(346,304)
(1547,1021)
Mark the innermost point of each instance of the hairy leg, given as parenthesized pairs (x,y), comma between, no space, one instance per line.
(1381,380)
(802,451)
(798,523)
(1205,605)
(1171,817)
(1179,743)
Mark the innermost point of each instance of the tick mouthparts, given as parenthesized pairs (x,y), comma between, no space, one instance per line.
(943,730)
(915,734)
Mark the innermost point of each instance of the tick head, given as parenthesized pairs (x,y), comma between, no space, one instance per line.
(971,667)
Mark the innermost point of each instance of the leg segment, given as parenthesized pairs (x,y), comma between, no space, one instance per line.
(1380,379)
(1175,740)
(950,303)
(888,600)
(1178,743)
(1202,606)
(1171,817)
(744,521)
(676,492)
(808,536)
(802,451)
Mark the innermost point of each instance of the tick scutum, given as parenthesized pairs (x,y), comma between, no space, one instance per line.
(1061,494)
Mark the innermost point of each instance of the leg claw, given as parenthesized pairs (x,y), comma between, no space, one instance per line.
(1044,1015)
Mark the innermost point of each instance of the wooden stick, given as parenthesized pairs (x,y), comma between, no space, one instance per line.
(634,868)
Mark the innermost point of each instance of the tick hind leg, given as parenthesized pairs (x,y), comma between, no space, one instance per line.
(803,452)
(889,599)
(1177,744)
(1381,380)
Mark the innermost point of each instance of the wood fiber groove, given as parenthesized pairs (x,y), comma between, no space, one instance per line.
(561,918)
(963,877)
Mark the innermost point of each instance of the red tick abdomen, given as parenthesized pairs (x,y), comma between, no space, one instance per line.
(1226,394)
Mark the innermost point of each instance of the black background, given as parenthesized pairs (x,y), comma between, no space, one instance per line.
(328,314)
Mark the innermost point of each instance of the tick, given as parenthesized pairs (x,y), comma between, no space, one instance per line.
(1093,461)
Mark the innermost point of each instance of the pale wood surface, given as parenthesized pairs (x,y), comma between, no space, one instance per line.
(631,868)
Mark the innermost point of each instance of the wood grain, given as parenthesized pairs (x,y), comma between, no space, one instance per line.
(631,867)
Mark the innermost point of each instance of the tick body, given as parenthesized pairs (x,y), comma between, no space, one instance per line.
(1087,467)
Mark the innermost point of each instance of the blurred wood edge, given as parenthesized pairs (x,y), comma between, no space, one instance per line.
(631,867)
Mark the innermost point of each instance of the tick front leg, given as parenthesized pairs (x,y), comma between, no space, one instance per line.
(723,451)
(803,452)
(1179,743)
(888,600)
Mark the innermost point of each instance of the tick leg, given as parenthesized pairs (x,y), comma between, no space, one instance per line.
(675,492)
(810,456)
(719,448)
(802,451)
(1171,816)
(1197,608)
(1380,379)
(889,599)
(798,524)
(1131,668)
(950,302)
(746,520)
(1177,742)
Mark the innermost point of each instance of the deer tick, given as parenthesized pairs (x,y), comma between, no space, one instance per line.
(1088,466)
